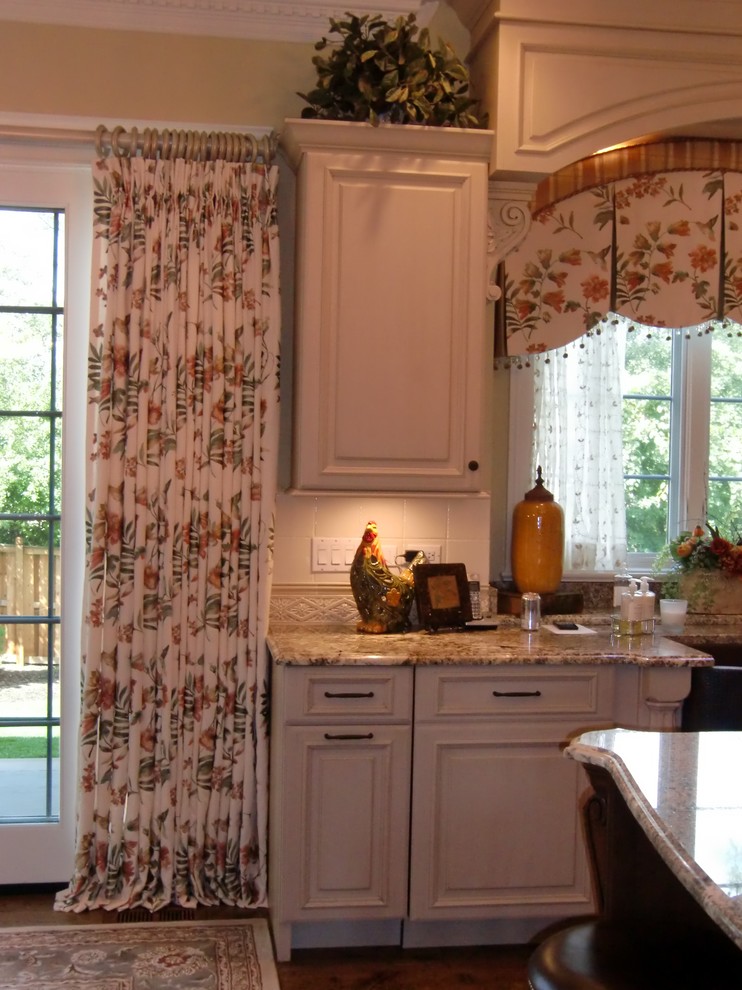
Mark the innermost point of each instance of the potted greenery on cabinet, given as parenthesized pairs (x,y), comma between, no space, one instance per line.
(383,71)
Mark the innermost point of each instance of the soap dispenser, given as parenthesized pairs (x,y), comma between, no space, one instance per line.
(537,548)
(648,598)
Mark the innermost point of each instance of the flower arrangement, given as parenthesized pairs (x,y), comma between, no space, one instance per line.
(709,551)
(701,554)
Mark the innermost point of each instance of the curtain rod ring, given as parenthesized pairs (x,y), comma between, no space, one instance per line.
(133,142)
(149,143)
(100,133)
(116,133)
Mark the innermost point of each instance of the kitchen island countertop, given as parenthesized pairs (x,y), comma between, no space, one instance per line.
(685,791)
(340,644)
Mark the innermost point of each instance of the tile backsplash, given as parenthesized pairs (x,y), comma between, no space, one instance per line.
(460,524)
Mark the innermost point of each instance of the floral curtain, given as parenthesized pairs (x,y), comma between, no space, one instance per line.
(649,247)
(182,439)
(652,232)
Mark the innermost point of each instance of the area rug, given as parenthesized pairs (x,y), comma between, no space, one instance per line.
(220,955)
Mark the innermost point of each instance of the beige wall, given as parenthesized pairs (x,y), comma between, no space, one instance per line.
(133,75)
(126,75)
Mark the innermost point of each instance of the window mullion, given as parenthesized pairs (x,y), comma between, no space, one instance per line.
(693,440)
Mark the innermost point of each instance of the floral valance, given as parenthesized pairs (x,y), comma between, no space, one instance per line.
(663,248)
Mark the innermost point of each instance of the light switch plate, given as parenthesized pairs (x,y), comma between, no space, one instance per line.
(334,554)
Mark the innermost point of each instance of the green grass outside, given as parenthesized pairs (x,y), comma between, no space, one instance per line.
(25,747)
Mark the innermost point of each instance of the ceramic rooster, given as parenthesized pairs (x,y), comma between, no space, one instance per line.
(383,599)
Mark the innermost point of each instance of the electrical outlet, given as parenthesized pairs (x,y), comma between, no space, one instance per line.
(431,550)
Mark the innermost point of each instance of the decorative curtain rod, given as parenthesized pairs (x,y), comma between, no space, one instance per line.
(191,145)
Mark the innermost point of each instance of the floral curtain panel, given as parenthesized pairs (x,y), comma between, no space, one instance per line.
(668,248)
(182,440)
(661,248)
(558,282)
(732,292)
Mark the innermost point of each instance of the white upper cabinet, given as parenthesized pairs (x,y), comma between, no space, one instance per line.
(391,280)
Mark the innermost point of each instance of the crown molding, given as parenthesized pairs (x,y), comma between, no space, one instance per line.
(262,20)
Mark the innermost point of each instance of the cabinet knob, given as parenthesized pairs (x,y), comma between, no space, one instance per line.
(473,465)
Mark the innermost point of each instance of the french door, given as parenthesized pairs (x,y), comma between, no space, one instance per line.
(45,256)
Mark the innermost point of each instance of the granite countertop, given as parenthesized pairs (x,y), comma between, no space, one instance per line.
(341,644)
(685,790)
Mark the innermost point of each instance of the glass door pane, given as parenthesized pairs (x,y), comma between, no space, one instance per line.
(45,242)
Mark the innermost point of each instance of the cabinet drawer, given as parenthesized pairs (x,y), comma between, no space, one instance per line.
(348,694)
(455,691)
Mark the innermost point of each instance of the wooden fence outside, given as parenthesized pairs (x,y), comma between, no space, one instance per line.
(24,591)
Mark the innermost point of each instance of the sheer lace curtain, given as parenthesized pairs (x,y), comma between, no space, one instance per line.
(578,443)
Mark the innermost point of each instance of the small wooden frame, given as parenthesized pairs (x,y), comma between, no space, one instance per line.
(442,594)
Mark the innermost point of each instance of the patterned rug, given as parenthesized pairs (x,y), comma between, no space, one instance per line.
(234,955)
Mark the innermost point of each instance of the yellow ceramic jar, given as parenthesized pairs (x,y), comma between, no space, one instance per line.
(537,546)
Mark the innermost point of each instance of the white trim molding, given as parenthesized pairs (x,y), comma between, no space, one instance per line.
(508,222)
(261,20)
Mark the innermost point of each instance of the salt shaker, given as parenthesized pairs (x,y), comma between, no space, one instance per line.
(530,611)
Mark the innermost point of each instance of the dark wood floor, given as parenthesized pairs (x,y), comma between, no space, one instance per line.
(478,968)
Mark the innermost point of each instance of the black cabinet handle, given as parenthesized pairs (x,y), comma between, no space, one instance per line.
(337,735)
(517,694)
(473,465)
(349,694)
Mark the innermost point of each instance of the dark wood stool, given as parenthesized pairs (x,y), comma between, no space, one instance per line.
(600,955)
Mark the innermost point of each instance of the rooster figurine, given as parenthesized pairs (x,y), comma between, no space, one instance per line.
(383,599)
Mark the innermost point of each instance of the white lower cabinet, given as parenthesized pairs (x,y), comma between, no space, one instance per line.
(340,796)
(495,812)
(351,800)
(462,825)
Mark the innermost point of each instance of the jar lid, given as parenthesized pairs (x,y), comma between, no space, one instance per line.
(538,493)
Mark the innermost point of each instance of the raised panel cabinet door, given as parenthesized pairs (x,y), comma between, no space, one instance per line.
(495,826)
(390,347)
(346,819)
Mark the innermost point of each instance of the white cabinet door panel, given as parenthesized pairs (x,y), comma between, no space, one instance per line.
(345,821)
(495,826)
(390,348)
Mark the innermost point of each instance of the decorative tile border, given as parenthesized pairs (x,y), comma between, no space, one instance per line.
(311,605)
(315,605)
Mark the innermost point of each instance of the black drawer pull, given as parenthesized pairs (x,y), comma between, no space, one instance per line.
(350,735)
(517,694)
(349,694)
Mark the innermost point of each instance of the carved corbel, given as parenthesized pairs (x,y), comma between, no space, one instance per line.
(508,222)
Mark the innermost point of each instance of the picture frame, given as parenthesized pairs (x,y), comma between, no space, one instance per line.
(442,595)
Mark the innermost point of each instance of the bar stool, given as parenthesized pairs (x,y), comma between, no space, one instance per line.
(599,955)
